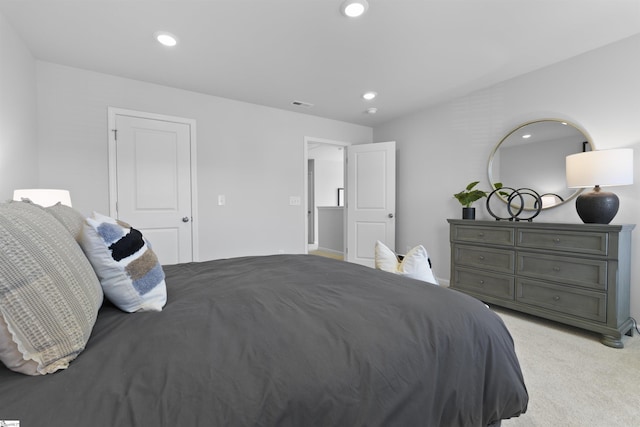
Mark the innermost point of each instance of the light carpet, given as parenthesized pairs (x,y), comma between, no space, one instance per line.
(327,254)
(573,380)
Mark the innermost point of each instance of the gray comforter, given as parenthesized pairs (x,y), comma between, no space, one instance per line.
(286,340)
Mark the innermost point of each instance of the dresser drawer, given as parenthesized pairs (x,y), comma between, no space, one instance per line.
(492,259)
(567,301)
(572,271)
(484,235)
(483,283)
(593,243)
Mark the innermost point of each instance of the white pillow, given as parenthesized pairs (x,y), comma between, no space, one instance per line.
(415,263)
(129,271)
(49,294)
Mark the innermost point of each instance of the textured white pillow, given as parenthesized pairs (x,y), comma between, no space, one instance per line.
(415,263)
(49,294)
(129,271)
(69,217)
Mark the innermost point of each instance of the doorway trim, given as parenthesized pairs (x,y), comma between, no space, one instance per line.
(112,112)
(313,140)
(311,194)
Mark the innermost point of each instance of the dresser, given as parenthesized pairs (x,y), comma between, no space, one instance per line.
(577,274)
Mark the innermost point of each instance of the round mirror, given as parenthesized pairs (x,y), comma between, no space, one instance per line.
(532,156)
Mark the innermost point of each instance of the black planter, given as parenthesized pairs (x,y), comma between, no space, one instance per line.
(468,213)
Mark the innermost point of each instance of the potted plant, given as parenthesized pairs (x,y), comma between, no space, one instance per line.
(466,198)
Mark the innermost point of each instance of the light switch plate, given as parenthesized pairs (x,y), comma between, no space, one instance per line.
(294,200)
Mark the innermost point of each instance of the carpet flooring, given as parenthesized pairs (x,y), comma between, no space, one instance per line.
(327,254)
(573,380)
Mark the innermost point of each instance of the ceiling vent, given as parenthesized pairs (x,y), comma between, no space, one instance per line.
(302,104)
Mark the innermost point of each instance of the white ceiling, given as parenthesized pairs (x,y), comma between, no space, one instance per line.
(414,53)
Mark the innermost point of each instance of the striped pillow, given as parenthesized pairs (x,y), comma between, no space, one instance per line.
(129,271)
(49,294)
(69,217)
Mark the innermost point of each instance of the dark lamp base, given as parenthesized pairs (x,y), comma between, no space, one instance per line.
(597,207)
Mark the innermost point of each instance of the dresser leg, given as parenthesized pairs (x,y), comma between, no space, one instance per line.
(612,341)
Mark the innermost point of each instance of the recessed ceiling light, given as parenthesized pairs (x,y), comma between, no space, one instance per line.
(354,8)
(166,39)
(369,95)
(372,110)
(527,136)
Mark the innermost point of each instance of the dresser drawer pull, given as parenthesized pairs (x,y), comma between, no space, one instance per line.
(556,269)
(556,240)
(481,257)
(481,235)
(481,282)
(556,298)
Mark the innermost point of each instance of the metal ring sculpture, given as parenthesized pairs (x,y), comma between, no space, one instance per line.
(519,195)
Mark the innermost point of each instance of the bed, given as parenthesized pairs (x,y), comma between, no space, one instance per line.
(283,340)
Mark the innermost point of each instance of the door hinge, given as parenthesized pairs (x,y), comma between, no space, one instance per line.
(115,134)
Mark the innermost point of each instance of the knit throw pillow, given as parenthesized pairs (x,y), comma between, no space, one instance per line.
(69,217)
(128,269)
(49,294)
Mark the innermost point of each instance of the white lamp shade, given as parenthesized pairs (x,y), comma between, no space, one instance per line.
(605,168)
(43,196)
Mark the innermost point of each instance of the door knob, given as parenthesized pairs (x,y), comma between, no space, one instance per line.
(390,215)
(185,219)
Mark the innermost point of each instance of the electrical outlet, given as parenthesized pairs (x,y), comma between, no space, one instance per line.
(221,200)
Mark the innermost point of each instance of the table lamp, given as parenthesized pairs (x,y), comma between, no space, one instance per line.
(601,168)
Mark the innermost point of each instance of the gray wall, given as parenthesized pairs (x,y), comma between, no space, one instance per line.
(18,131)
(442,149)
(250,153)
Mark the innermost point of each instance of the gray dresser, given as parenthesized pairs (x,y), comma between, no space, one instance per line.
(577,274)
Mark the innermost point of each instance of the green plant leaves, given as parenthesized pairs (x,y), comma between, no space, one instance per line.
(467,196)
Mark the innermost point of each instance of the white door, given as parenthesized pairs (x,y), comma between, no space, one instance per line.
(153,183)
(371,199)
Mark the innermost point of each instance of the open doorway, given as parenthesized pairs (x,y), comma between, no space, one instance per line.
(325,175)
